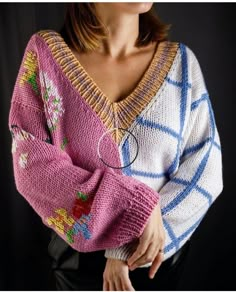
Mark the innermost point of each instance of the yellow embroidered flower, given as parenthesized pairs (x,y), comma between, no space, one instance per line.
(31,65)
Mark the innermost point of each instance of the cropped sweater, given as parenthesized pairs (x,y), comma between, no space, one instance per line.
(93,169)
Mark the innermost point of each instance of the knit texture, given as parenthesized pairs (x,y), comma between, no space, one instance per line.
(58,115)
(56,166)
(179,129)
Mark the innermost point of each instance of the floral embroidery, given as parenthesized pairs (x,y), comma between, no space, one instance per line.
(19,135)
(82,205)
(64,143)
(53,103)
(23,159)
(29,75)
(72,226)
(79,226)
(82,196)
(23,135)
(14,146)
(59,220)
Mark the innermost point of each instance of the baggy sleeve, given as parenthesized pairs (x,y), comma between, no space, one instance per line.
(89,210)
(192,189)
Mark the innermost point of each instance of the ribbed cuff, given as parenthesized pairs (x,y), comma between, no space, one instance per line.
(143,202)
(124,252)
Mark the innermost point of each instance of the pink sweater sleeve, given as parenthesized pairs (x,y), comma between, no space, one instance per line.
(90,210)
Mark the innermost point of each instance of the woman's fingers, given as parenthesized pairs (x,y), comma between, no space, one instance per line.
(115,284)
(105,286)
(141,249)
(147,257)
(118,284)
(116,276)
(112,286)
(126,283)
(156,264)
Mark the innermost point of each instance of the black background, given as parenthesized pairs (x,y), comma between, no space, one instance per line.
(208,29)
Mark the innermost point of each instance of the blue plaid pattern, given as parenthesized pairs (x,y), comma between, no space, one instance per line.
(184,187)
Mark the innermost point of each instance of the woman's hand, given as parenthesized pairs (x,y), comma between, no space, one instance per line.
(150,243)
(116,276)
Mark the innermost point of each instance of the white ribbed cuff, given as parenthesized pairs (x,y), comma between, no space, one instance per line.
(124,252)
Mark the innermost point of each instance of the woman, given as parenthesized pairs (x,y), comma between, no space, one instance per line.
(115,146)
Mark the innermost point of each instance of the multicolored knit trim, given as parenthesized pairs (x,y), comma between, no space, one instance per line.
(113,114)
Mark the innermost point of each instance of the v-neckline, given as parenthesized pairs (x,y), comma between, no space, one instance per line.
(113,113)
(135,90)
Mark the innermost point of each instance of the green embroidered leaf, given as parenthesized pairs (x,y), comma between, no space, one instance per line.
(69,235)
(45,96)
(56,100)
(53,128)
(82,196)
(63,144)
(32,81)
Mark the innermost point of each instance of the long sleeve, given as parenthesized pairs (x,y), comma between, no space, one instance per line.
(194,186)
(90,210)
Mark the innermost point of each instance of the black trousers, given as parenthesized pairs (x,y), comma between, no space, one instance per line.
(73,270)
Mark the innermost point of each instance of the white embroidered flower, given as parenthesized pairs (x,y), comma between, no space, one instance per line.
(23,159)
(23,135)
(52,100)
(14,145)
(20,136)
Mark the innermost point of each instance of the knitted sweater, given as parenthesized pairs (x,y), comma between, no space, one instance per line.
(93,169)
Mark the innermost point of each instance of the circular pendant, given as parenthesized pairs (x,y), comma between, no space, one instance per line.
(131,136)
